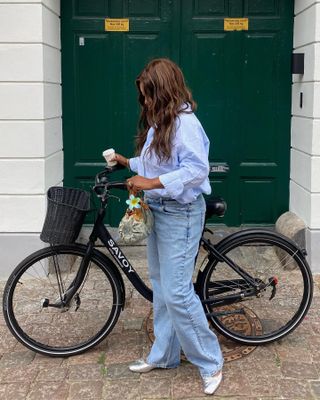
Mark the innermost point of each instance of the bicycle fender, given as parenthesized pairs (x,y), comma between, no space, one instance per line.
(107,261)
(255,233)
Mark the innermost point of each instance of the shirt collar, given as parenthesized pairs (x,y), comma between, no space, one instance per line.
(185,107)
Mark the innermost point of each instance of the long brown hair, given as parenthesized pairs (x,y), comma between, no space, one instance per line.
(165,97)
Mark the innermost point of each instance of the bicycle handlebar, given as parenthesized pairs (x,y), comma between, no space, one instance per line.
(117,185)
(108,170)
(101,180)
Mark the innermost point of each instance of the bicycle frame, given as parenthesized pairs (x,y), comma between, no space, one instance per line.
(74,276)
(101,232)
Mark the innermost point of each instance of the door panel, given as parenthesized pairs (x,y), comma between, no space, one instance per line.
(241,81)
(99,71)
(261,7)
(91,85)
(258,97)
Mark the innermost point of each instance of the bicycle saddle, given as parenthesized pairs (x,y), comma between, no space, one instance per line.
(215,206)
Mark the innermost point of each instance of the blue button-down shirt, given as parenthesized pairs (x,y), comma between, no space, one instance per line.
(185,175)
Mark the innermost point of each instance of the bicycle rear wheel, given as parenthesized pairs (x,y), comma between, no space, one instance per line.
(258,316)
(40,280)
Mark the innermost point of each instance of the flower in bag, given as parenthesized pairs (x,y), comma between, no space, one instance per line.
(133,202)
(137,222)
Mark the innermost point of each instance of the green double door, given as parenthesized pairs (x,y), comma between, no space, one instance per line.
(241,81)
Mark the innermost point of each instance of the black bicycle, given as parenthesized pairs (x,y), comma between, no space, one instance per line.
(64,299)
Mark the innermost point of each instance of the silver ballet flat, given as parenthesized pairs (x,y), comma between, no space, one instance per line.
(211,383)
(141,366)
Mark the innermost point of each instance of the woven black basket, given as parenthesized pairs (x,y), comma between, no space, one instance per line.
(67,208)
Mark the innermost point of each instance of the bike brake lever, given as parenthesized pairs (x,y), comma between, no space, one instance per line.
(116,197)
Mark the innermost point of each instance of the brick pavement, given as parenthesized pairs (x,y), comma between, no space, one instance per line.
(288,369)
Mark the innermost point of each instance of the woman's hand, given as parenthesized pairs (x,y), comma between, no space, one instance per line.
(121,159)
(137,183)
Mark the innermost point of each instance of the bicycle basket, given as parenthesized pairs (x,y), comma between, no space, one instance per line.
(66,210)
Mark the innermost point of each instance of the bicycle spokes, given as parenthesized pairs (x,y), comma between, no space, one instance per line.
(40,308)
(274,300)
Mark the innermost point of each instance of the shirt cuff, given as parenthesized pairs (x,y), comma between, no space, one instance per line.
(172,183)
(133,164)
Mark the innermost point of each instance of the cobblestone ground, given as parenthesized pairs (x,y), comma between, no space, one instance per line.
(288,369)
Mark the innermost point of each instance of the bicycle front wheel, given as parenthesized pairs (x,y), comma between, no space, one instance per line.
(38,284)
(257,316)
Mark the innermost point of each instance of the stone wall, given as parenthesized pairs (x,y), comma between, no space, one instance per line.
(31,157)
(305,152)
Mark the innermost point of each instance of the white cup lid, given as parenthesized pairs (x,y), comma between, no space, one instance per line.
(108,151)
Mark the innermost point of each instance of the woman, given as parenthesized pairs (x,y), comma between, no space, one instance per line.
(173,169)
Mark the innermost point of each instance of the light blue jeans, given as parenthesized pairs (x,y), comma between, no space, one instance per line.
(179,318)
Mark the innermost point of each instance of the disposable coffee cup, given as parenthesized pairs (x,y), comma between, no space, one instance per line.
(108,155)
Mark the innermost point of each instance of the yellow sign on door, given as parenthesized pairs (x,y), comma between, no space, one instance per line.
(236,24)
(116,24)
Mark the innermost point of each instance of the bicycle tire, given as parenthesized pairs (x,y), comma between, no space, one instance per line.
(38,330)
(263,240)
